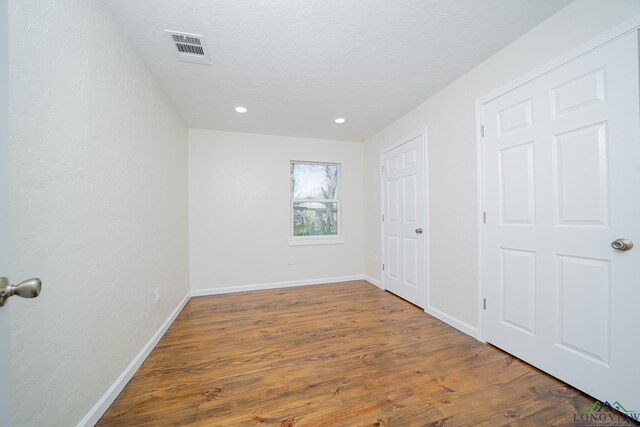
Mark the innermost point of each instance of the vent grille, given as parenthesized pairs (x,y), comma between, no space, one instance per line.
(185,39)
(188,47)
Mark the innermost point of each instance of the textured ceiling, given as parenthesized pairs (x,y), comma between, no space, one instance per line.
(298,64)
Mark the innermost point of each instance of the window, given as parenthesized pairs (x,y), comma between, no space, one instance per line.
(315,203)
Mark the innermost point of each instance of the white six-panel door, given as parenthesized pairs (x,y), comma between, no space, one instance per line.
(562,182)
(404,228)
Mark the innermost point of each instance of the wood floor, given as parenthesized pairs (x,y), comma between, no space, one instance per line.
(346,354)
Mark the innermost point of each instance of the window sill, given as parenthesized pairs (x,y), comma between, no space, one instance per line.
(309,241)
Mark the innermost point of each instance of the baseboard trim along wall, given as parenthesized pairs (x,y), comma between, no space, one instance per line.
(107,399)
(373,281)
(274,285)
(452,321)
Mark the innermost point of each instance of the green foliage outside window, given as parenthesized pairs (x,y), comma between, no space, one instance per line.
(314,189)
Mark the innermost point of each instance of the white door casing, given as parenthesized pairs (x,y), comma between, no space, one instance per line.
(5,362)
(404,220)
(561,182)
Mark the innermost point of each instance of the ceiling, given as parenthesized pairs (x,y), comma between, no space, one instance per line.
(299,64)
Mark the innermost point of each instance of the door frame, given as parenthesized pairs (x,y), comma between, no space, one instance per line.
(631,25)
(422,134)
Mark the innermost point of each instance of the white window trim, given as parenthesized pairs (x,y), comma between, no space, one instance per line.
(316,240)
(334,239)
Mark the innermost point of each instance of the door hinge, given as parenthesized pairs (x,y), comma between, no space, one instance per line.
(484,217)
(382,217)
(482,131)
(484,304)
(382,267)
(382,169)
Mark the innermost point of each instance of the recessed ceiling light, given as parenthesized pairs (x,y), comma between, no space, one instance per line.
(240,109)
(340,120)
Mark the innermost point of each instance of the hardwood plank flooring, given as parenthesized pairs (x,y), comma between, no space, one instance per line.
(344,354)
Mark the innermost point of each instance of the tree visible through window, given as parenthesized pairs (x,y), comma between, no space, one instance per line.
(315,199)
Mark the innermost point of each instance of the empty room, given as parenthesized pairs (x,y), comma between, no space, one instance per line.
(319,213)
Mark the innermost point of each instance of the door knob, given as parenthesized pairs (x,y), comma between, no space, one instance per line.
(622,245)
(28,289)
(418,230)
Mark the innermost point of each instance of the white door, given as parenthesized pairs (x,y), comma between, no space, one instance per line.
(562,182)
(404,224)
(4,136)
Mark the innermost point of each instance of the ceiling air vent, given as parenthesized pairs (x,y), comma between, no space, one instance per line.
(188,47)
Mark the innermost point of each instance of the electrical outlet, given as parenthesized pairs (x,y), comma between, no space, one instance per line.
(157,295)
(292,260)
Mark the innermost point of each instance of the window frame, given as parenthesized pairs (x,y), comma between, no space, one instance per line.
(327,239)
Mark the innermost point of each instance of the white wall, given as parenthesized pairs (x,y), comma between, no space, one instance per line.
(239,210)
(450,119)
(98,206)
(5,336)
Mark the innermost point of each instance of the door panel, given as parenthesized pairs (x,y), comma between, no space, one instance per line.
(580,92)
(562,182)
(410,199)
(404,211)
(393,260)
(584,312)
(411,254)
(517,289)
(516,117)
(517,200)
(581,176)
(392,205)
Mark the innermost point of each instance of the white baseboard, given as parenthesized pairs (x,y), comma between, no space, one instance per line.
(452,321)
(273,285)
(107,399)
(373,281)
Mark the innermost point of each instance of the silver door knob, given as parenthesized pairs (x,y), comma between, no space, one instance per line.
(27,289)
(622,245)
(418,230)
